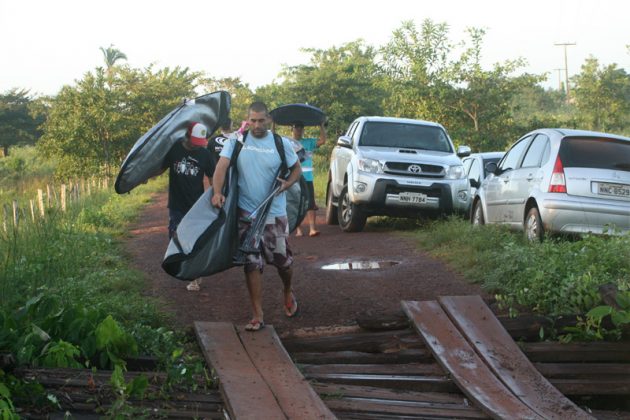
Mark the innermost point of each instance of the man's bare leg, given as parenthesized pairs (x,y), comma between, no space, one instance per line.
(254,286)
(290,304)
(310,218)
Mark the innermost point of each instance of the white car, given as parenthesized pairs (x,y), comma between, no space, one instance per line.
(559,181)
(475,168)
(397,167)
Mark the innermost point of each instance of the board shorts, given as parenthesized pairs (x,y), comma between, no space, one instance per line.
(274,246)
(310,190)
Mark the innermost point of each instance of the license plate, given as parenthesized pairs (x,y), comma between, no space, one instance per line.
(617,190)
(414,198)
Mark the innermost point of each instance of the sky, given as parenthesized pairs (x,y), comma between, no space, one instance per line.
(46,44)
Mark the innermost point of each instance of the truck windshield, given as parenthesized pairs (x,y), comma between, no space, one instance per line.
(403,135)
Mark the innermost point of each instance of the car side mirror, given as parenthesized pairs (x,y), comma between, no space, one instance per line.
(345,141)
(463,151)
(492,168)
(474,183)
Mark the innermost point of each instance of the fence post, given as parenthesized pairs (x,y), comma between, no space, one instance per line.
(15,213)
(40,201)
(48,198)
(6,216)
(32,210)
(63,197)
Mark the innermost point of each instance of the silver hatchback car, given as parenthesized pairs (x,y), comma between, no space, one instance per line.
(559,181)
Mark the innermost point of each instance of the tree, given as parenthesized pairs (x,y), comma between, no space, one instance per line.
(481,100)
(92,126)
(242,96)
(18,121)
(602,96)
(342,81)
(111,55)
(415,69)
(424,79)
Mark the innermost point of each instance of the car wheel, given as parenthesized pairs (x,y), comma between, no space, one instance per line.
(331,210)
(534,230)
(351,219)
(476,218)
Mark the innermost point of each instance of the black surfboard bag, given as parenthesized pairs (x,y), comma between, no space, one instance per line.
(207,237)
(144,161)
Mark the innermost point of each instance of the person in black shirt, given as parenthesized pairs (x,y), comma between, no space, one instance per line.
(187,161)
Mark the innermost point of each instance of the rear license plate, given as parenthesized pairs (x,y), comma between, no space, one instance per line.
(617,190)
(414,198)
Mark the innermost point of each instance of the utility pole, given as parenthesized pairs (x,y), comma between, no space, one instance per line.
(566,66)
(559,78)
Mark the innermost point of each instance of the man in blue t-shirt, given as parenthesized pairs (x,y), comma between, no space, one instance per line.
(257,164)
(309,145)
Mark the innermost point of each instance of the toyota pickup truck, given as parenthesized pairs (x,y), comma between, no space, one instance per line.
(396,167)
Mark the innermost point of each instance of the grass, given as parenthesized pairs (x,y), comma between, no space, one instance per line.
(77,258)
(555,277)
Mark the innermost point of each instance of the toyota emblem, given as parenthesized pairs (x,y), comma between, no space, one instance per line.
(415,169)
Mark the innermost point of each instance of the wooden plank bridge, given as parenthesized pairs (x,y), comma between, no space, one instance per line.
(455,361)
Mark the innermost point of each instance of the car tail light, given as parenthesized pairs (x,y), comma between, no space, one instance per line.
(558,183)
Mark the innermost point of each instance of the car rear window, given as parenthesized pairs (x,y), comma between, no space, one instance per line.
(409,136)
(595,152)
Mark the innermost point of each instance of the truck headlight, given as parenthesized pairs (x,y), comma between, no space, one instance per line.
(455,172)
(369,165)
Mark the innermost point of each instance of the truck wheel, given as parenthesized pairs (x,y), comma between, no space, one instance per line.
(351,219)
(331,210)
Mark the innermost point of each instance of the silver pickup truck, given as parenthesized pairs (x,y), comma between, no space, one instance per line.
(397,167)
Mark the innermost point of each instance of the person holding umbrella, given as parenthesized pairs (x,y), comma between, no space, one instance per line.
(309,145)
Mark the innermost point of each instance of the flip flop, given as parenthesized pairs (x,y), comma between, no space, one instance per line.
(294,304)
(255,325)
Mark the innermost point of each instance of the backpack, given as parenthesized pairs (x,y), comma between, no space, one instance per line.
(297,194)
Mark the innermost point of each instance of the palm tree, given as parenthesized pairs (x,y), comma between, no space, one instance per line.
(111,55)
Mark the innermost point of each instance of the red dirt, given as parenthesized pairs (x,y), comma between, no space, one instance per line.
(326,297)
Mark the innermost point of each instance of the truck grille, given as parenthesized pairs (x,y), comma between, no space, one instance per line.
(414,169)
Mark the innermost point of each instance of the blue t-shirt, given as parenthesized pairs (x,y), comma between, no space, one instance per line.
(258,165)
(309,146)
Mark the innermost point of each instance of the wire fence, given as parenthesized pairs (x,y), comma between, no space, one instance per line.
(52,198)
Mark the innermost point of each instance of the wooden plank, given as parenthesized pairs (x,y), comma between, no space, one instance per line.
(523,327)
(595,386)
(292,391)
(244,391)
(577,352)
(406,382)
(331,390)
(369,342)
(471,374)
(493,344)
(403,356)
(584,370)
(428,369)
(406,409)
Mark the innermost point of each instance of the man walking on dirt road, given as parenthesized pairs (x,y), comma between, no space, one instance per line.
(258,164)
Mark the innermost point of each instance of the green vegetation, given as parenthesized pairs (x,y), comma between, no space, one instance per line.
(70,299)
(22,172)
(555,277)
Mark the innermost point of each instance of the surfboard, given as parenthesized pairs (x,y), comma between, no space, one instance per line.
(144,160)
(297,113)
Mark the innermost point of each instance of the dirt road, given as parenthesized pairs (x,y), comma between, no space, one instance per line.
(326,297)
